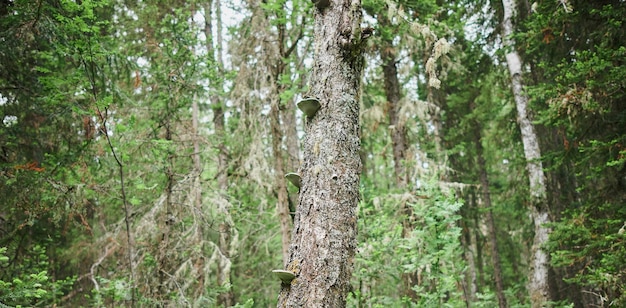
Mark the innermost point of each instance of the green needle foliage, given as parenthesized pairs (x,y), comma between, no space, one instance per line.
(432,249)
(110,195)
(33,286)
(579,54)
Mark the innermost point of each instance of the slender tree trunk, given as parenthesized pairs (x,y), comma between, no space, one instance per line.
(167,219)
(393,95)
(398,138)
(217,104)
(227,237)
(289,123)
(398,131)
(324,238)
(288,110)
(484,183)
(477,242)
(470,284)
(538,282)
(282,202)
(197,164)
(277,64)
(197,183)
(197,187)
(288,116)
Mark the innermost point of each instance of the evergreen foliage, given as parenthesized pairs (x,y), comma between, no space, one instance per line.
(32,285)
(110,195)
(577,50)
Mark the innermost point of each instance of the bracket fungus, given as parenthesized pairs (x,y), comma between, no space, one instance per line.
(284,276)
(309,106)
(294,178)
(321,4)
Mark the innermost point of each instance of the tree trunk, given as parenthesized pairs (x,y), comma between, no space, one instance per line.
(225,228)
(165,225)
(476,240)
(393,95)
(282,202)
(277,64)
(197,165)
(398,138)
(288,117)
(470,285)
(324,238)
(484,183)
(538,282)
(292,163)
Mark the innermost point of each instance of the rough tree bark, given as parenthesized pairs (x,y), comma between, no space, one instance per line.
(538,282)
(324,237)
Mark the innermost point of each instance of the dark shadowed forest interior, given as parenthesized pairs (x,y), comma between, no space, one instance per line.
(313,153)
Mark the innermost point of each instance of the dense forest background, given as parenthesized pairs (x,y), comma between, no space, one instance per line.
(144,147)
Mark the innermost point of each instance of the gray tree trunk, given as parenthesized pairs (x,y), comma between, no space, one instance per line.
(538,285)
(324,237)
(227,240)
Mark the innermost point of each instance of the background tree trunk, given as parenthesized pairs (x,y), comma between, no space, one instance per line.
(397,131)
(282,202)
(393,95)
(284,133)
(324,239)
(538,282)
(493,242)
(227,244)
(470,282)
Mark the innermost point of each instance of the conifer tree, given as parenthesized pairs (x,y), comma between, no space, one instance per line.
(324,238)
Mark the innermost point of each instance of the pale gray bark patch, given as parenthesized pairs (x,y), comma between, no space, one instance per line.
(538,278)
